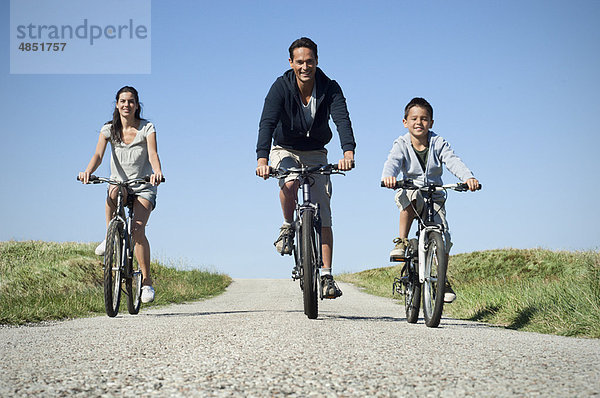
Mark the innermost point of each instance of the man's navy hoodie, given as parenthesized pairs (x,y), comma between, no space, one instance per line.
(282,120)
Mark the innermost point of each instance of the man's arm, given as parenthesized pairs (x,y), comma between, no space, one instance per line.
(341,118)
(268,120)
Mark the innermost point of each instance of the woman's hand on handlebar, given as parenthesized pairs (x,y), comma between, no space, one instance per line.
(156,178)
(389,182)
(84,177)
(262,168)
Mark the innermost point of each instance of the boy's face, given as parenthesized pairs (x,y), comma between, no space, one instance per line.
(418,122)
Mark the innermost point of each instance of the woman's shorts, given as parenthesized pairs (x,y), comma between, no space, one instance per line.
(146,191)
(404,197)
(320,190)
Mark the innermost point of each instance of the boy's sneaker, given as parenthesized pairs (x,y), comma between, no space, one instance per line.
(147,294)
(329,287)
(285,241)
(399,251)
(100,248)
(449,295)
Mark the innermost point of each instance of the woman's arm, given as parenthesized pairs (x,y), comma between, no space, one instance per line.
(95,161)
(157,177)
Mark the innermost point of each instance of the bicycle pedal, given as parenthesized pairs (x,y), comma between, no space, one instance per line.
(398,259)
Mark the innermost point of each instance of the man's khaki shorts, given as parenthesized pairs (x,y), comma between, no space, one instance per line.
(320,190)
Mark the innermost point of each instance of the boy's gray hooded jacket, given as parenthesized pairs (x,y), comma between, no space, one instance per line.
(403,159)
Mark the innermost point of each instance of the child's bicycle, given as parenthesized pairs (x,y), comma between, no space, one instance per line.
(425,262)
(307,249)
(119,259)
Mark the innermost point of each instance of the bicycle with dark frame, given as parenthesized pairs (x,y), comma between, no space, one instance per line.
(119,262)
(423,274)
(307,251)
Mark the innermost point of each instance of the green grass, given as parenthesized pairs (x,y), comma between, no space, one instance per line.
(47,281)
(553,292)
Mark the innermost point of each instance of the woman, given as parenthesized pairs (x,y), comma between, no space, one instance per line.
(134,155)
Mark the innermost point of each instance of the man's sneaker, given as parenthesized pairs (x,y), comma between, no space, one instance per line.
(399,251)
(147,294)
(285,241)
(329,287)
(449,295)
(100,248)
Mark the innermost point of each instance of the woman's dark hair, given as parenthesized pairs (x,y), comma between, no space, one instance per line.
(303,42)
(116,128)
(420,102)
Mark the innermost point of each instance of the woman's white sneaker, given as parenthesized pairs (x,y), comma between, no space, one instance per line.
(101,248)
(147,294)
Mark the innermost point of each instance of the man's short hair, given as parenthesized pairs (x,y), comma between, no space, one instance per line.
(420,102)
(303,42)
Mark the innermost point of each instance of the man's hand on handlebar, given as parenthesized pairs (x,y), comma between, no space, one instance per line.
(262,168)
(347,163)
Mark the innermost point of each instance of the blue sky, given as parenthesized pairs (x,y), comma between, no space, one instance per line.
(514,86)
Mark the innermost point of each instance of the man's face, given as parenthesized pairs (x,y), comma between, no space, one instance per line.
(304,64)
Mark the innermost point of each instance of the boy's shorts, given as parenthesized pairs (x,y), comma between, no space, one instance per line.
(320,190)
(405,196)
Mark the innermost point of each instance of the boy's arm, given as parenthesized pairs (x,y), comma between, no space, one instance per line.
(454,164)
(392,166)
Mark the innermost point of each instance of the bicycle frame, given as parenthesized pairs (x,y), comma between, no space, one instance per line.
(125,220)
(300,208)
(426,226)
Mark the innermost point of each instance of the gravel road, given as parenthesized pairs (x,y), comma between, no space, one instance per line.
(255,340)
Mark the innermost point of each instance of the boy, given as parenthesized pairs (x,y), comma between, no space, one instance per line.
(419,156)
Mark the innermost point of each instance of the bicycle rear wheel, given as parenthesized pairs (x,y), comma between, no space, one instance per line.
(412,298)
(309,269)
(435,278)
(133,285)
(113,257)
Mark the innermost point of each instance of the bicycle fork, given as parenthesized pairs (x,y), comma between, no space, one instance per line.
(423,246)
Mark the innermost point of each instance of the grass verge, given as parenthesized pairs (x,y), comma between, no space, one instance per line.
(552,292)
(47,281)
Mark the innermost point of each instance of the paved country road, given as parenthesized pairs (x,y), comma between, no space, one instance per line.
(255,340)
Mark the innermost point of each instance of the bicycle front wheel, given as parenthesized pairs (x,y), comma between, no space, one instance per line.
(435,278)
(113,256)
(309,268)
(133,285)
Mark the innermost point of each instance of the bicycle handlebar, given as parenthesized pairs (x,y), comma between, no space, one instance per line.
(323,169)
(98,180)
(408,184)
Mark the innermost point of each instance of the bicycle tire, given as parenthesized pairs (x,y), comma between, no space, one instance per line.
(113,256)
(310,272)
(133,285)
(412,297)
(435,278)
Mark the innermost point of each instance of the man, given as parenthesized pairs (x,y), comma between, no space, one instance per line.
(295,119)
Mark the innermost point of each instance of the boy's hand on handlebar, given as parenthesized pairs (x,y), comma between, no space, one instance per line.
(473,184)
(389,182)
(263,169)
(347,163)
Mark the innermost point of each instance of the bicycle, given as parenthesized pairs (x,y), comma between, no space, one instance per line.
(120,264)
(423,274)
(307,251)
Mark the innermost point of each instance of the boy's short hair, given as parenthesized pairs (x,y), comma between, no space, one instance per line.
(303,42)
(420,102)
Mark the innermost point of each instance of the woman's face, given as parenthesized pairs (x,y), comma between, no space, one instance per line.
(127,104)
